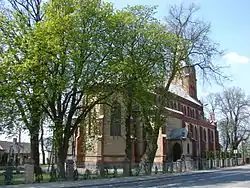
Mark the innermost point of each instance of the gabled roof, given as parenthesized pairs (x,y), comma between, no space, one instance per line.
(179,91)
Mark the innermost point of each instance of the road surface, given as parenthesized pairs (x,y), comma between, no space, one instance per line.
(233,177)
(238,177)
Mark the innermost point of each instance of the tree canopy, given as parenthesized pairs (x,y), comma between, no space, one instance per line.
(232,109)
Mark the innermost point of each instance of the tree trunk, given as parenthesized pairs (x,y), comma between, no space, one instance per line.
(128,149)
(42,146)
(62,156)
(148,157)
(63,145)
(34,140)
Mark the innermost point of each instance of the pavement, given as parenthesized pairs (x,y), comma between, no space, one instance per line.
(232,177)
(224,178)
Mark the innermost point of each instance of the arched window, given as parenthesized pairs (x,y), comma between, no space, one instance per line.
(209,136)
(205,135)
(179,106)
(201,134)
(191,131)
(185,110)
(175,106)
(196,133)
(115,125)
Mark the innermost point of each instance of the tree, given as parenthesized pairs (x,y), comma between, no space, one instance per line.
(209,106)
(19,89)
(76,62)
(190,48)
(141,44)
(48,143)
(10,121)
(232,106)
(42,145)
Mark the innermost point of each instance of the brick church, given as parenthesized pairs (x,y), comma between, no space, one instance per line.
(186,131)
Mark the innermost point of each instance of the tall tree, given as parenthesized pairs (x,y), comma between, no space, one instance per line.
(191,47)
(20,91)
(141,43)
(76,63)
(232,107)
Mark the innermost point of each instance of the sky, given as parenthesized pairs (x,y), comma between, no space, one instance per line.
(230,25)
(230,28)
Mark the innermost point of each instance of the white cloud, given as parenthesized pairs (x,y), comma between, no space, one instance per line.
(235,58)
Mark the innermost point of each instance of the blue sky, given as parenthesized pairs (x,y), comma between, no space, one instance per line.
(230,28)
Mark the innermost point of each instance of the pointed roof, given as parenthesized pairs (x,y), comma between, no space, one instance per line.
(179,91)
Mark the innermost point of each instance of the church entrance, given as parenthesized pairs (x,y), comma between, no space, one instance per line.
(177,151)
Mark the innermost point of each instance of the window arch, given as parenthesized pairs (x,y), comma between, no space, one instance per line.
(115,125)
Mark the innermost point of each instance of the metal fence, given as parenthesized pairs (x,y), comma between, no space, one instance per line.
(17,175)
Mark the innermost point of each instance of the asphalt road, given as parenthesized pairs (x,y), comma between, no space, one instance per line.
(227,178)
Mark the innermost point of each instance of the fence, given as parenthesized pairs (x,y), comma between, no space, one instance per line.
(92,171)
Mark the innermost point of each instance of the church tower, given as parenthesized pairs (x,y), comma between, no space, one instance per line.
(191,81)
(187,80)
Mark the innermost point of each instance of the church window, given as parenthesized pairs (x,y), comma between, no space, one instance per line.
(115,127)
